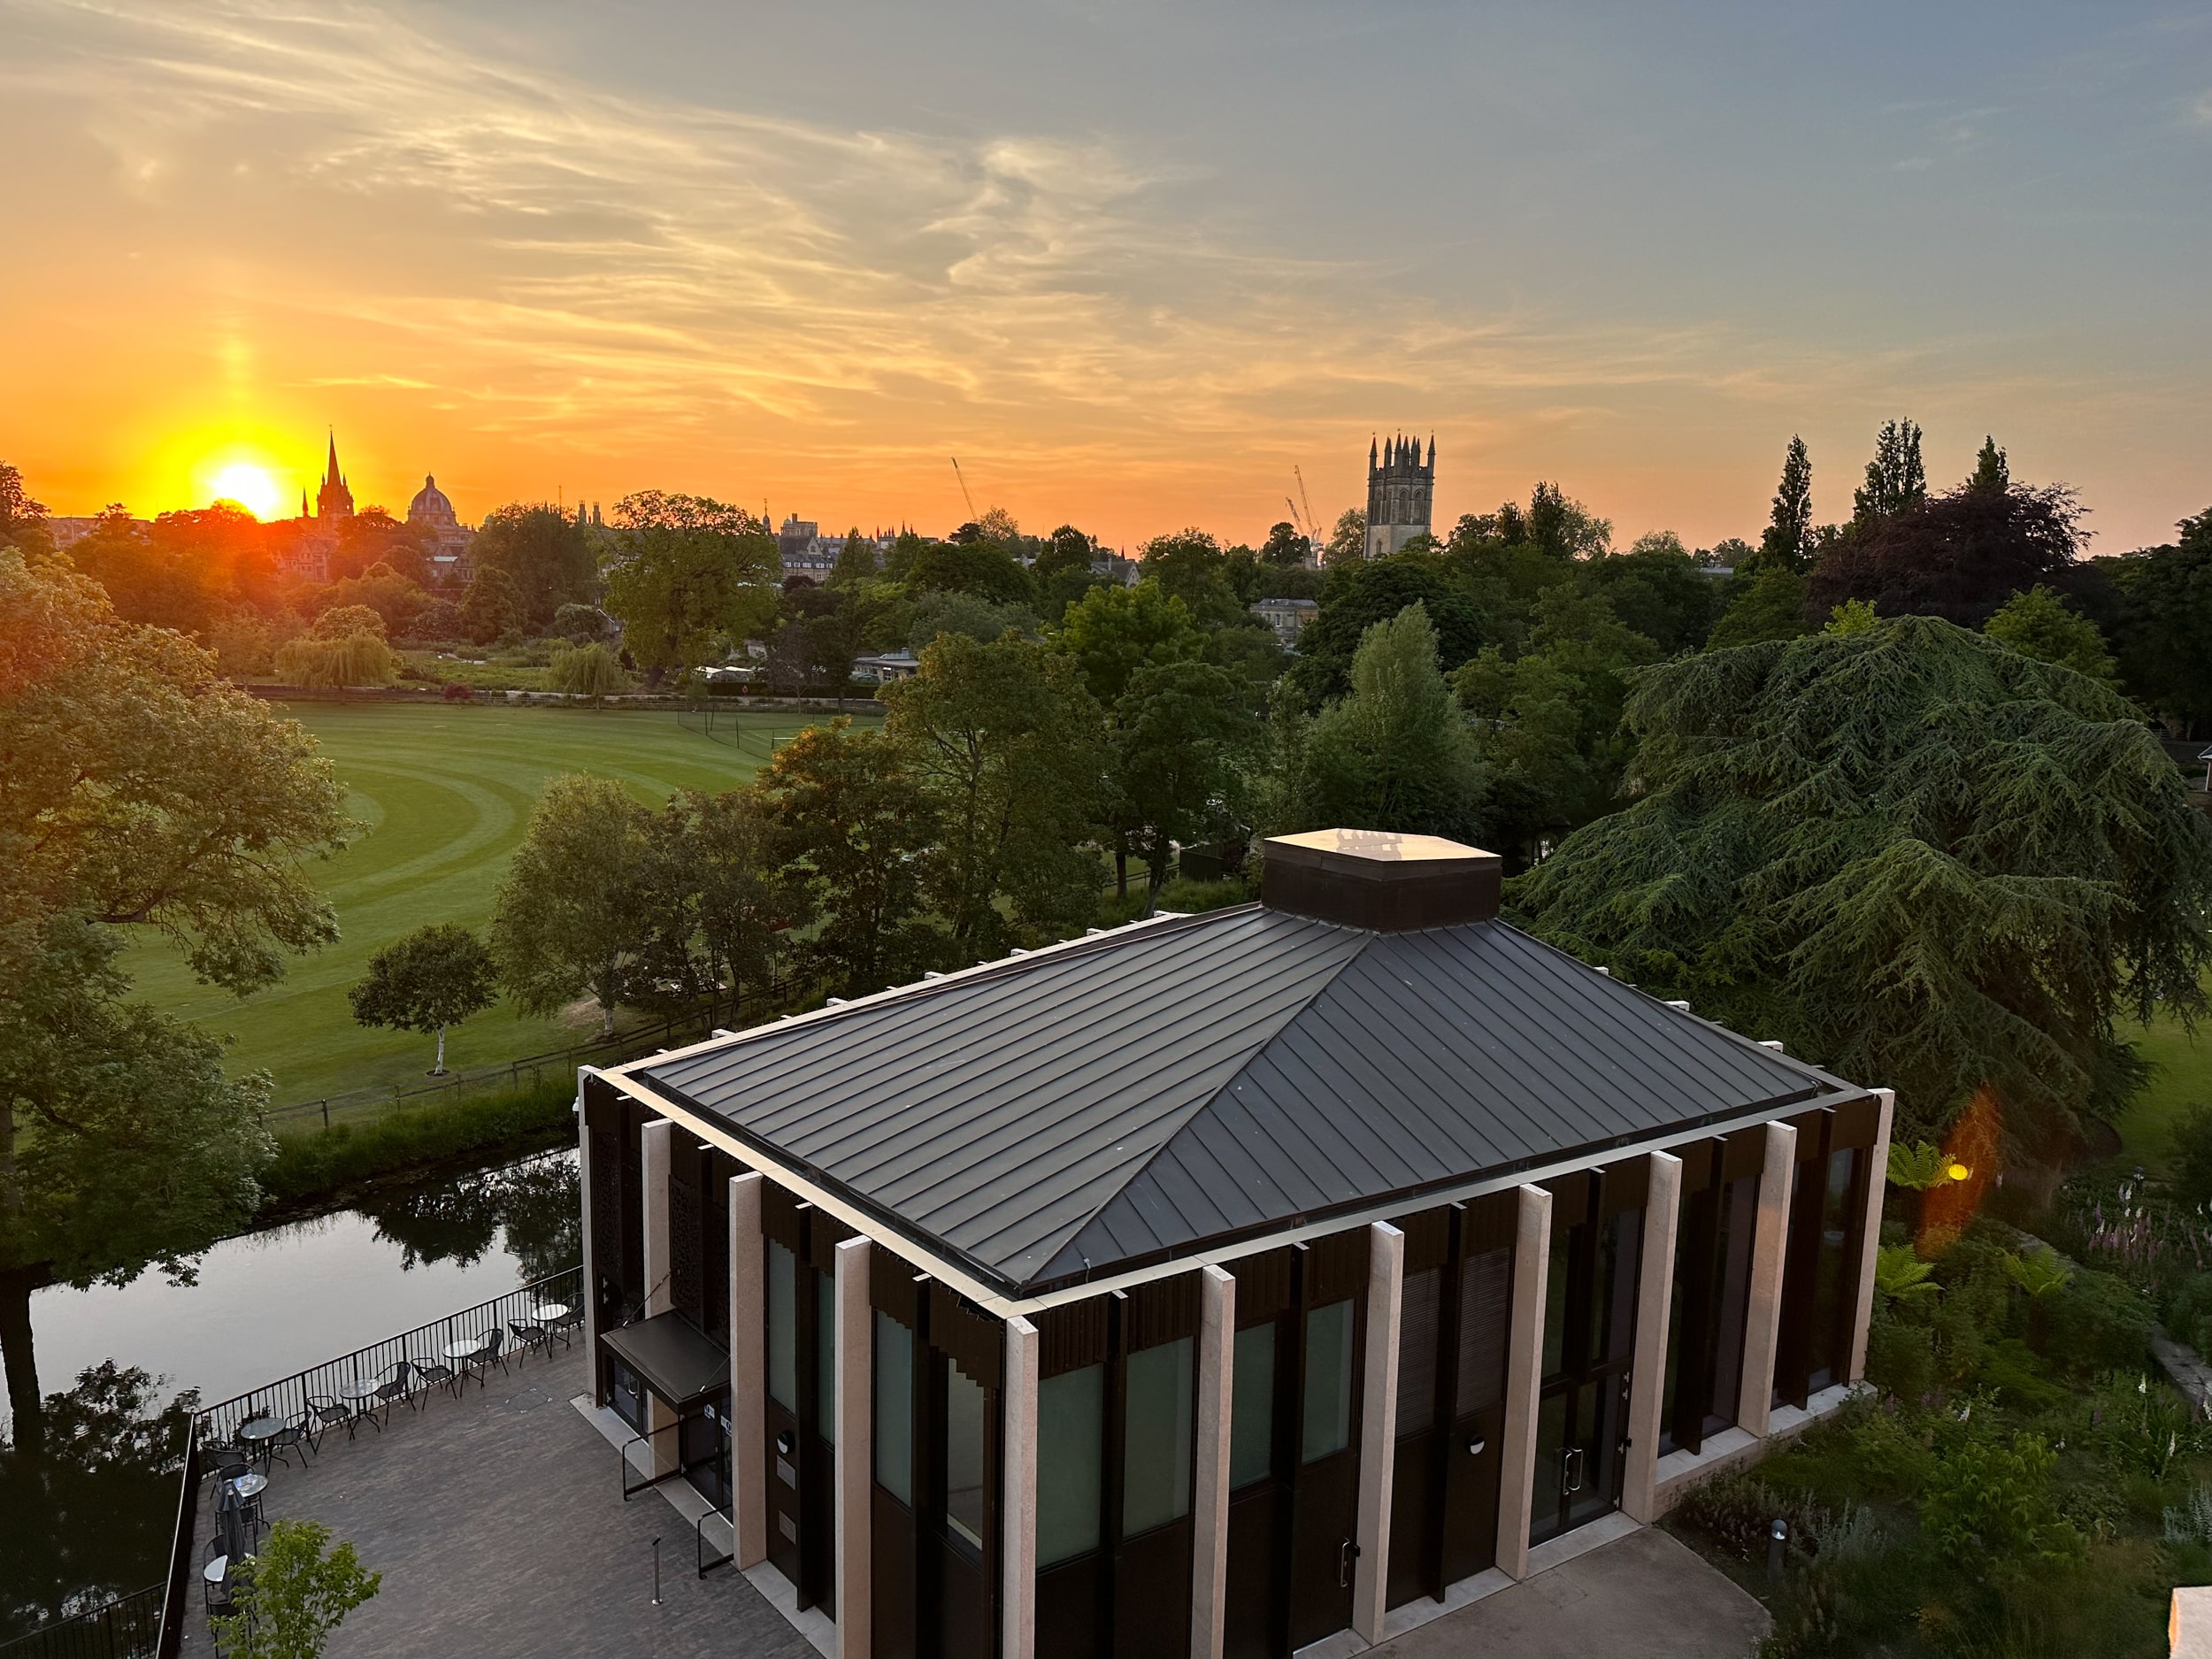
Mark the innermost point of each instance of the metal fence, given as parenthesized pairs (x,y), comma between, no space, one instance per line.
(687,1026)
(289,1397)
(126,1628)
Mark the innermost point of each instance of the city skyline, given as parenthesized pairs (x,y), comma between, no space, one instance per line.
(549,257)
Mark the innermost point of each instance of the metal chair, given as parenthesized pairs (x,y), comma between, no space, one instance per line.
(324,1413)
(433,1371)
(227,1463)
(529,1334)
(566,1325)
(487,1353)
(292,1434)
(396,1382)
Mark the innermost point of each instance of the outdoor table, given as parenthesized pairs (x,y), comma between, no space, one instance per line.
(546,1312)
(357,1390)
(473,1349)
(258,1433)
(214,1570)
(252,1484)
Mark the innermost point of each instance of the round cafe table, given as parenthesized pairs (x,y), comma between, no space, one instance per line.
(252,1484)
(546,1312)
(214,1570)
(256,1432)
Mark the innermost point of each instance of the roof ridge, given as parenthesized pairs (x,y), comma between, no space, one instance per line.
(1292,1010)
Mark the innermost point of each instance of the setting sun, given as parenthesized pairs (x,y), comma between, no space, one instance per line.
(248,485)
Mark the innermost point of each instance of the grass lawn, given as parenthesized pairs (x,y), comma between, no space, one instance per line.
(445,793)
(2183,1078)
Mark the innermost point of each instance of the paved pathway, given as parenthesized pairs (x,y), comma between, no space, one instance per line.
(498,1523)
(1648,1595)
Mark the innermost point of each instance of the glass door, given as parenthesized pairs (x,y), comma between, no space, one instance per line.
(1589,1344)
(1331,1327)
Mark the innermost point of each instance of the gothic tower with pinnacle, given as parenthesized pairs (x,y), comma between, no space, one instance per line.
(334,500)
(1400,491)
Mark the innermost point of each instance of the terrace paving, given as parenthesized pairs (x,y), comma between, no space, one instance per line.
(498,1523)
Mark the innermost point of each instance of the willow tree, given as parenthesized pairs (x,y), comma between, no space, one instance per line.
(1920,859)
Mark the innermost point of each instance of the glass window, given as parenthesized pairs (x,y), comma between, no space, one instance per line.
(1825,1351)
(783,1334)
(1621,1248)
(1416,1350)
(1327,1423)
(894,1408)
(826,1355)
(1740,1228)
(1252,1405)
(1556,1302)
(1070,1459)
(1156,1434)
(1486,1316)
(964,1456)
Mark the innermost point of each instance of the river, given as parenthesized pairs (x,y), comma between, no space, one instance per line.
(93,1514)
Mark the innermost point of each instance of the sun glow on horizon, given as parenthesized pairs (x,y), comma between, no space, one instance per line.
(249,486)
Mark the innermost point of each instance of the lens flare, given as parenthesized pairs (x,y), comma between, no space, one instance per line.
(248,485)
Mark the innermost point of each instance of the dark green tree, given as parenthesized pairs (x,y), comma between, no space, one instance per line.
(686,570)
(2165,623)
(491,606)
(543,552)
(1395,754)
(1001,741)
(1919,857)
(1115,631)
(1286,546)
(2039,624)
(856,560)
(1895,477)
(1766,605)
(1989,470)
(1179,750)
(1788,542)
(1364,592)
(435,977)
(854,825)
(571,917)
(982,568)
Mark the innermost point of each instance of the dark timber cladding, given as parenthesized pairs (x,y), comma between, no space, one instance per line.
(1128,1098)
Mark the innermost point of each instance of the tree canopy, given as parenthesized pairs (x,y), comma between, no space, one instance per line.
(435,977)
(1918,857)
(686,570)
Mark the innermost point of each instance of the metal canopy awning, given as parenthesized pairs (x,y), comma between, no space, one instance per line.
(671,1358)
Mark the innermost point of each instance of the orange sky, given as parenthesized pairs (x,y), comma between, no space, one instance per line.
(537,252)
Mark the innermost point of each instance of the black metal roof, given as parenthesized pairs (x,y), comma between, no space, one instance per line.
(1141,1092)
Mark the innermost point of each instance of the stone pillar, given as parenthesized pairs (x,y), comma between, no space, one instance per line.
(1209,1496)
(1654,1303)
(1523,1380)
(856,1452)
(657,1142)
(591,1261)
(1877,1177)
(1769,1250)
(1018,1596)
(1378,1428)
(749,1373)
(2189,1624)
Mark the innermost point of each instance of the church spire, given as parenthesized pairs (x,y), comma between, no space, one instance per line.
(330,475)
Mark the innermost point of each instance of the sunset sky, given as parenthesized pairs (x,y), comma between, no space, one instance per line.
(1130,263)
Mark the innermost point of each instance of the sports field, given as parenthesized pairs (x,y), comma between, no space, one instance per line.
(444,794)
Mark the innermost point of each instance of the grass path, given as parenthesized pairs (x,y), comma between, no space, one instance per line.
(2183,1078)
(445,793)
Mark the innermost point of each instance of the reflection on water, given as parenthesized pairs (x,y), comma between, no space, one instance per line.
(270,1303)
(90,1512)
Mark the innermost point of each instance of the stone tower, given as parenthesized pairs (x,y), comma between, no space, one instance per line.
(333,500)
(1401,488)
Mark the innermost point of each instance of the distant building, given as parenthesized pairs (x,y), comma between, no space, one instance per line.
(446,539)
(886,668)
(803,550)
(1287,617)
(68,532)
(1115,568)
(1401,494)
(335,499)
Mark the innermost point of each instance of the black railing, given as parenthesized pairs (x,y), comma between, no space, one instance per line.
(126,1628)
(287,1400)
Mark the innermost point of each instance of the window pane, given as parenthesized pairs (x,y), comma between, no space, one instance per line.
(964,1455)
(1070,1458)
(1824,1351)
(1621,1250)
(783,1334)
(1327,1428)
(1416,1350)
(894,1408)
(1156,1429)
(1252,1407)
(1485,1312)
(826,1355)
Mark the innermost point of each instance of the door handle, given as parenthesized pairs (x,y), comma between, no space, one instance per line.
(1475,1449)
(1346,1553)
(1570,1461)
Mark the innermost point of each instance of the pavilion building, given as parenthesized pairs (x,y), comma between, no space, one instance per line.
(1223,1284)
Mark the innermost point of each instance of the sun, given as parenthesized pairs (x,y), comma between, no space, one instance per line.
(248,485)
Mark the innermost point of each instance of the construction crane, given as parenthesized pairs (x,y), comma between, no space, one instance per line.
(1313,525)
(973,517)
(1296,523)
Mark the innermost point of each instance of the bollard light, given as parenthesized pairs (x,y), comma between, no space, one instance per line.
(1778,1536)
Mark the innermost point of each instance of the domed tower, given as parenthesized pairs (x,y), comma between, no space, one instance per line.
(1400,491)
(447,538)
(333,500)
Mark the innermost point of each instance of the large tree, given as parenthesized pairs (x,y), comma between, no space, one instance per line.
(854,825)
(1958,556)
(1788,540)
(1394,754)
(2165,625)
(1896,479)
(1179,755)
(1003,741)
(1113,632)
(1917,857)
(1363,592)
(572,916)
(686,570)
(435,977)
(543,551)
(140,791)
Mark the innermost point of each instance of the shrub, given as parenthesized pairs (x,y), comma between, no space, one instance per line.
(459,694)
(358,659)
(587,671)
(1990,1502)
(2099,1323)
(312,1165)
(344,620)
